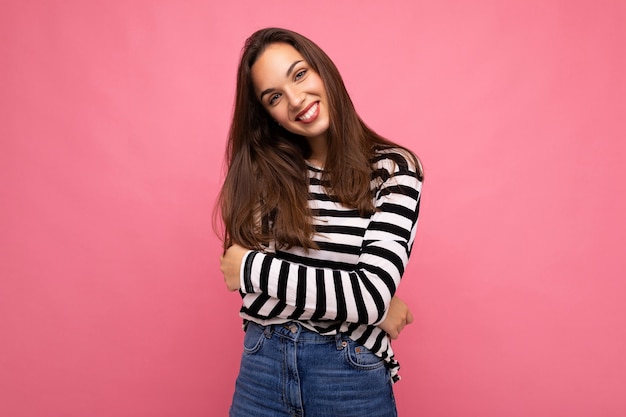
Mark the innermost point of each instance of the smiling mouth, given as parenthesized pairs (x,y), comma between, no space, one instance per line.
(309,114)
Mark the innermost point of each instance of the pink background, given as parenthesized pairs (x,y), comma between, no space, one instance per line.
(113,118)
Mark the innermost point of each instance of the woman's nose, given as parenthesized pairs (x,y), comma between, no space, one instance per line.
(296,99)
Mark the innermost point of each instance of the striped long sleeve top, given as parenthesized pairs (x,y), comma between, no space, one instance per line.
(347,284)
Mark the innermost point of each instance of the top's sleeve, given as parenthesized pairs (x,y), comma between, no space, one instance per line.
(361,295)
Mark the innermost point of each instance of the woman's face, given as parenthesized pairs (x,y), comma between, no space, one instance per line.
(291,91)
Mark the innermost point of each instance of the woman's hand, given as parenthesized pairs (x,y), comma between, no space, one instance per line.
(230,264)
(398,316)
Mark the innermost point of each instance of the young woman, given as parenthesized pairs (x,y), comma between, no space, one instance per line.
(320,215)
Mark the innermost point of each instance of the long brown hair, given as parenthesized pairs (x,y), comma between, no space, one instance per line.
(265,193)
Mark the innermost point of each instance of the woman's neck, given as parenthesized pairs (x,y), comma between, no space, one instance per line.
(319,149)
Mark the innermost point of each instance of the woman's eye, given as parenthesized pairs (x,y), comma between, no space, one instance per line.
(300,74)
(273,98)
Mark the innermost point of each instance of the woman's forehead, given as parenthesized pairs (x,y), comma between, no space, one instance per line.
(275,64)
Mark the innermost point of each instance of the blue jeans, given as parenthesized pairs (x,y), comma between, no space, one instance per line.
(287,370)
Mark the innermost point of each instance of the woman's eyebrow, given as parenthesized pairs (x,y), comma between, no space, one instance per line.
(292,66)
(289,71)
(264,92)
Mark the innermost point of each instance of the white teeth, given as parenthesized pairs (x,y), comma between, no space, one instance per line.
(306,116)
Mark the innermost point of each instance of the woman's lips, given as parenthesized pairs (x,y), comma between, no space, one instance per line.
(309,114)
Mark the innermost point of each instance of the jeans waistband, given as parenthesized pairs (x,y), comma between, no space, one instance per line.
(296,332)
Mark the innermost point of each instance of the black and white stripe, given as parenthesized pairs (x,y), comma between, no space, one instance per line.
(347,284)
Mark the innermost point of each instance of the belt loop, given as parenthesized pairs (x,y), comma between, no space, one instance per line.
(269,330)
(341,343)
